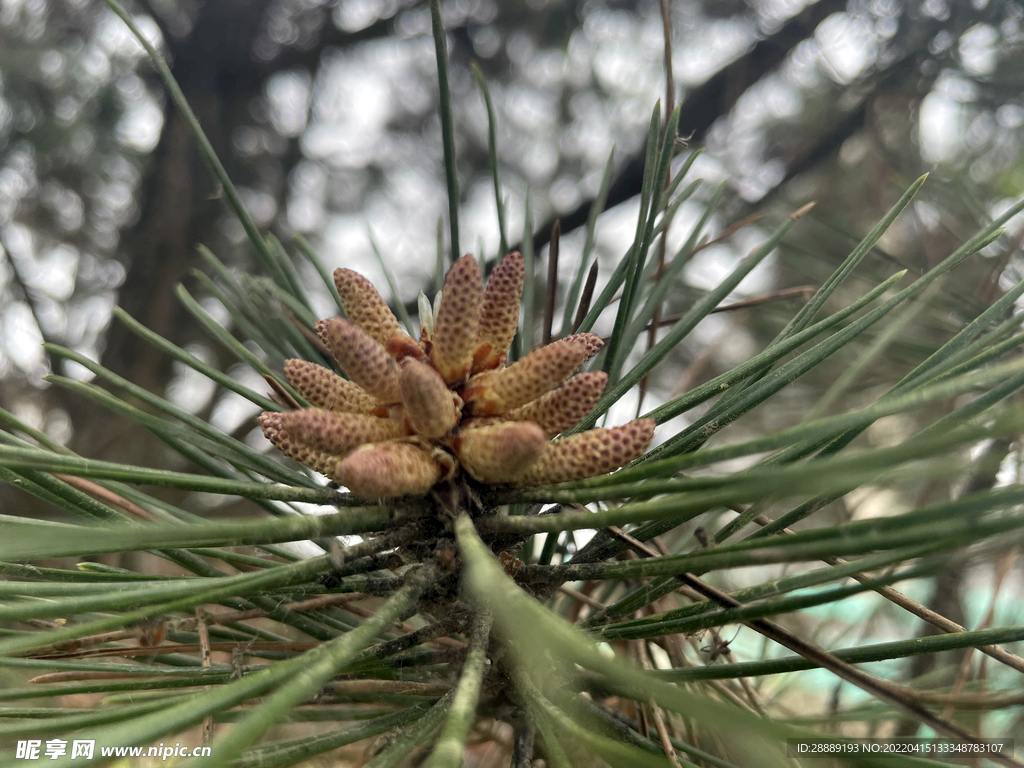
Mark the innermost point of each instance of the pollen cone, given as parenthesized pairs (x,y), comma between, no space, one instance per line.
(365,361)
(270,423)
(388,469)
(458,316)
(499,313)
(589,454)
(365,307)
(325,389)
(566,406)
(338,433)
(495,392)
(496,453)
(429,404)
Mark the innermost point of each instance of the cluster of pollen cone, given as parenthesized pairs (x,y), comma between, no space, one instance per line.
(414,413)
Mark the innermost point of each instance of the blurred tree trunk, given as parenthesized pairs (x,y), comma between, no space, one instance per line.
(180,206)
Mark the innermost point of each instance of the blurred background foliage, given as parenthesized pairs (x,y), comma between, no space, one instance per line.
(325,115)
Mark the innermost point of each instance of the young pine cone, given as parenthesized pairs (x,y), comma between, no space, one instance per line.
(414,413)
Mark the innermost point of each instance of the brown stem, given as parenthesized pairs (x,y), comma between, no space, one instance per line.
(107,496)
(586,296)
(206,660)
(551,298)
